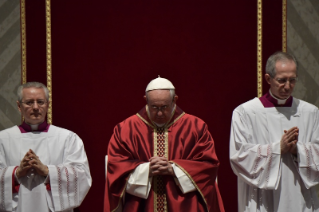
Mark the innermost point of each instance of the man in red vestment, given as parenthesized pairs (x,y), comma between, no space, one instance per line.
(162,159)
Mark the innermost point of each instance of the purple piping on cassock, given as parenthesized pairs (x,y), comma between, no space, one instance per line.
(268,101)
(44,127)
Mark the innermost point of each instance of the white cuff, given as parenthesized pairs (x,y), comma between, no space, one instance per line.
(139,183)
(276,149)
(182,180)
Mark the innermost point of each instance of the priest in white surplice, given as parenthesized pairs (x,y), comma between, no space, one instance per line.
(274,145)
(42,167)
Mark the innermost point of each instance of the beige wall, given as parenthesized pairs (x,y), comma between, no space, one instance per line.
(10,62)
(303,42)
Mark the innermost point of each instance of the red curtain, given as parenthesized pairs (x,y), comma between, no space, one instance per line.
(104,53)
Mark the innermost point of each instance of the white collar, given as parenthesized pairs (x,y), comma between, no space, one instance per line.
(279,101)
(34,127)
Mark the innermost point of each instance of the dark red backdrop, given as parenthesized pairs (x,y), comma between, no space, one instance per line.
(105,52)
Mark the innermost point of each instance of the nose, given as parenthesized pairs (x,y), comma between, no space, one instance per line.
(287,85)
(35,105)
(159,113)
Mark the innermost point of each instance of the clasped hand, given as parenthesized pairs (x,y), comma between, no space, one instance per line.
(289,141)
(31,161)
(160,166)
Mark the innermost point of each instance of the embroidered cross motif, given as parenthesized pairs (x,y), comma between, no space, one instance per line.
(160,196)
(160,142)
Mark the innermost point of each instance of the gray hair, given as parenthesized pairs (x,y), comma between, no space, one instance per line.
(171,91)
(32,85)
(278,56)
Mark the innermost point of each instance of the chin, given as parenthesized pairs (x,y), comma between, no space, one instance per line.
(284,96)
(35,121)
(160,123)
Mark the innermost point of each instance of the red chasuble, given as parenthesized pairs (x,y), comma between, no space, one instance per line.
(187,143)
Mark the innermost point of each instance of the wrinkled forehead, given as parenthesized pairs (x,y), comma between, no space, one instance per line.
(285,61)
(285,67)
(159,95)
(33,92)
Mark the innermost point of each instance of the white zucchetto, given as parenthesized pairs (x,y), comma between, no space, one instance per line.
(160,84)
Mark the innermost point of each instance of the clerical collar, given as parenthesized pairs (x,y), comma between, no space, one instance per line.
(268,100)
(43,127)
(279,101)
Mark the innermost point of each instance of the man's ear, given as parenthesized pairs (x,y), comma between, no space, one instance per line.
(175,98)
(267,78)
(19,106)
(145,98)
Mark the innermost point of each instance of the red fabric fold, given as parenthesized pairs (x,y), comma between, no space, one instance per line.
(15,186)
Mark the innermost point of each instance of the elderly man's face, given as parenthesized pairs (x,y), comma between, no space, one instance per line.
(160,104)
(282,85)
(34,105)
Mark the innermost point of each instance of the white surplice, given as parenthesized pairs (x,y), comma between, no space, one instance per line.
(267,180)
(63,152)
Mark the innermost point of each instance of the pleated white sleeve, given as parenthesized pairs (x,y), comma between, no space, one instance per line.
(308,152)
(71,180)
(182,180)
(139,183)
(8,202)
(253,159)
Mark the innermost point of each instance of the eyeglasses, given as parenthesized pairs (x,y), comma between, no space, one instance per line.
(163,108)
(30,103)
(283,81)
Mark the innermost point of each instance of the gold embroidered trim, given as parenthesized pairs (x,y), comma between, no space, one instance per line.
(192,182)
(146,122)
(165,152)
(259,48)
(153,125)
(155,195)
(23,43)
(166,143)
(156,178)
(49,56)
(176,120)
(284,25)
(155,141)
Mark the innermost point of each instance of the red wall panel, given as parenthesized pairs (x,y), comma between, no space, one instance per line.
(36,41)
(272,32)
(105,52)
